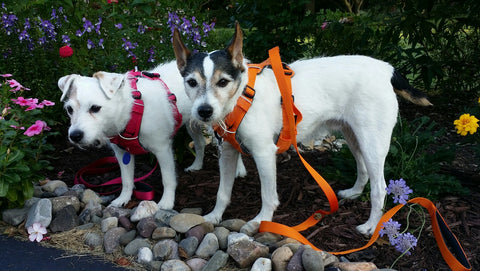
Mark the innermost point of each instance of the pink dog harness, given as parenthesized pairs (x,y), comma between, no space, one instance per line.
(128,139)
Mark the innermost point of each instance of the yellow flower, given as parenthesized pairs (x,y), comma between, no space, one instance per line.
(466,124)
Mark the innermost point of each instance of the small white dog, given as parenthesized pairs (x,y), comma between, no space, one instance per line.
(353,94)
(100,108)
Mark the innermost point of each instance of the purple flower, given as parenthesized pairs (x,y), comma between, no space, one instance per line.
(79,33)
(27,25)
(42,40)
(9,23)
(66,39)
(399,191)
(141,29)
(48,28)
(151,55)
(404,242)
(129,46)
(24,36)
(119,26)
(390,228)
(90,44)
(87,26)
(98,25)
(100,43)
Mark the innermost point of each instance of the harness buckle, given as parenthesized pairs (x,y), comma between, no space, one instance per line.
(249,92)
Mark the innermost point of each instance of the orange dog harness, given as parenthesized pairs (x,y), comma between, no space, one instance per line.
(234,118)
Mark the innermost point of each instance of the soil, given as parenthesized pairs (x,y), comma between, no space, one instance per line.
(300,197)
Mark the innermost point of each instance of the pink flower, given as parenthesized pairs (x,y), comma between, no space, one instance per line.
(17,127)
(46,103)
(5,75)
(37,128)
(36,232)
(16,86)
(65,51)
(324,25)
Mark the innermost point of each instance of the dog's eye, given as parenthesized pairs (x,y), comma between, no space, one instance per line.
(69,110)
(223,83)
(94,108)
(192,83)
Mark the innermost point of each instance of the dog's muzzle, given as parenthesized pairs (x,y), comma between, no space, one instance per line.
(76,136)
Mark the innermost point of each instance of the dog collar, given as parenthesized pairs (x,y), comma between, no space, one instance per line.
(128,139)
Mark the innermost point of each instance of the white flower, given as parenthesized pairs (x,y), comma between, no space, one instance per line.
(36,232)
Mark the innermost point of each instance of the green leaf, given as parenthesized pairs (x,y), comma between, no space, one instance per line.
(3,188)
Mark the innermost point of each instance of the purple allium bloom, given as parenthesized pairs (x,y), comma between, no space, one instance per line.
(390,228)
(399,191)
(404,242)
(90,44)
(119,26)
(87,25)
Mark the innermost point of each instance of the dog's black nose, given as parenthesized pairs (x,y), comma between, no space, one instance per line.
(205,111)
(76,136)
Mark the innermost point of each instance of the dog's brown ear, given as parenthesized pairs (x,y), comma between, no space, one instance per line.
(65,84)
(235,48)
(181,51)
(109,82)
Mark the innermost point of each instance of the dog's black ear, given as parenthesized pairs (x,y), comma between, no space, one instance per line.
(235,48)
(65,83)
(109,82)
(181,51)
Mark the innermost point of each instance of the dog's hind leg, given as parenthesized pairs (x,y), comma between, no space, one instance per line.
(228,163)
(127,170)
(362,174)
(165,158)
(195,132)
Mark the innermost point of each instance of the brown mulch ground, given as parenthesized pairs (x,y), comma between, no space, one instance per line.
(300,197)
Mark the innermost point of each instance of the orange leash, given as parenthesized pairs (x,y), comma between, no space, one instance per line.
(443,235)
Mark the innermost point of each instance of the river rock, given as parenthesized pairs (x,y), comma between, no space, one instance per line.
(111,239)
(165,250)
(234,224)
(65,220)
(59,203)
(280,258)
(133,247)
(262,264)
(312,260)
(40,212)
(355,266)
(245,252)
(222,236)
(90,196)
(174,265)
(92,239)
(109,223)
(196,264)
(208,246)
(187,247)
(145,255)
(164,216)
(183,222)
(146,226)
(50,186)
(295,263)
(218,260)
(163,232)
(146,208)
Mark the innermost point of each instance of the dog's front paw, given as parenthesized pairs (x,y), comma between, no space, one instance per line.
(194,167)
(349,194)
(366,229)
(165,205)
(119,202)
(212,218)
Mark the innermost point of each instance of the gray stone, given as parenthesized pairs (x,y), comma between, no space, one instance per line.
(85,216)
(78,188)
(133,247)
(163,232)
(267,238)
(116,211)
(14,216)
(327,258)
(145,255)
(354,266)
(196,264)
(164,216)
(165,250)
(92,239)
(40,212)
(280,258)
(154,265)
(233,224)
(146,226)
(218,260)
(295,263)
(85,227)
(146,208)
(183,222)
(237,237)
(246,252)
(59,203)
(127,237)
(262,264)
(222,236)
(50,186)
(250,228)
(90,196)
(187,247)
(199,231)
(208,246)
(109,223)
(311,260)
(111,239)
(60,191)
(65,220)
(174,265)
(196,211)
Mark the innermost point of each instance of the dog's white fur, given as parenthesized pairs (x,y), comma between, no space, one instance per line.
(113,94)
(352,94)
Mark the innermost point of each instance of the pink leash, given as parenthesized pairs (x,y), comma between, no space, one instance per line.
(142,191)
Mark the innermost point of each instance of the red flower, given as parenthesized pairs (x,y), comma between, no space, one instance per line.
(112,1)
(66,51)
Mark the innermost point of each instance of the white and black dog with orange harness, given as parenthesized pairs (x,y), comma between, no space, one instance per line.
(352,94)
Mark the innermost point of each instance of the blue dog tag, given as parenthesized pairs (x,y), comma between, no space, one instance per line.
(126,158)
